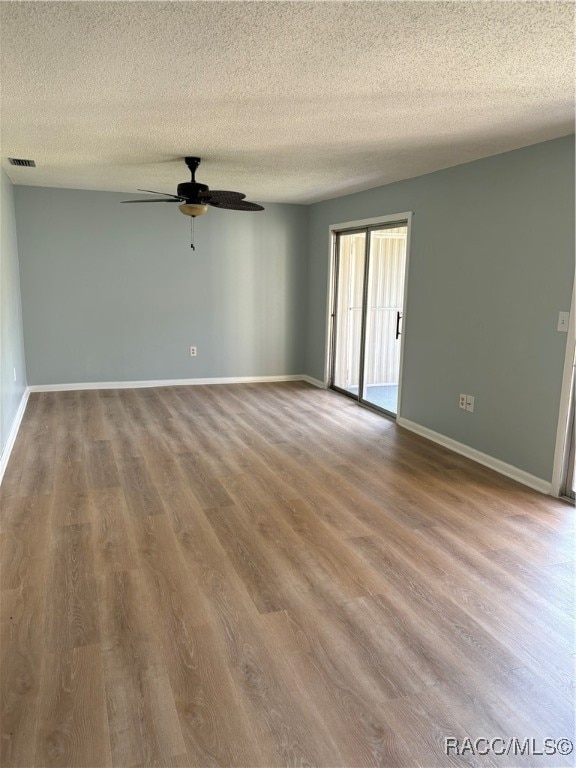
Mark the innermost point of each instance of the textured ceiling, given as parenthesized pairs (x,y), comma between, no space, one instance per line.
(285,101)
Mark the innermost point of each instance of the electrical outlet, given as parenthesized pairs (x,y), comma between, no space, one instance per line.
(193,351)
(462,402)
(470,403)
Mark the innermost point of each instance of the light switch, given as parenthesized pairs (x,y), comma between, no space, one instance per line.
(563,320)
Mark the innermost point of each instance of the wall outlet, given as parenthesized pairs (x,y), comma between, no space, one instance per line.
(193,351)
(470,403)
(563,320)
(462,402)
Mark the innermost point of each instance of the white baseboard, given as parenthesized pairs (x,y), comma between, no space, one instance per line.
(314,382)
(13,433)
(161,383)
(482,458)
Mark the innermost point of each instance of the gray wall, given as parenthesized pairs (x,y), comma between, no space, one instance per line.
(11,340)
(491,265)
(114,292)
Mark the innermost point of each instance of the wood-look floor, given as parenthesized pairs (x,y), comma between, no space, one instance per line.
(269,575)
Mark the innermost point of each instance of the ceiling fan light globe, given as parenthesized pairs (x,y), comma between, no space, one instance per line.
(193,209)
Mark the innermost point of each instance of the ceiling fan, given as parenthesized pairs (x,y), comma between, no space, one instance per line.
(194,198)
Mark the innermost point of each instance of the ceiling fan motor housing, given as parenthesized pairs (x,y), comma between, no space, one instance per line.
(190,190)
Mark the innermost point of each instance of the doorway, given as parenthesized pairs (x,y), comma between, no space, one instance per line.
(568,489)
(368,313)
(570,484)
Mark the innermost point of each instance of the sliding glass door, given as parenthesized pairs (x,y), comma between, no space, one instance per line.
(370,266)
(384,308)
(351,255)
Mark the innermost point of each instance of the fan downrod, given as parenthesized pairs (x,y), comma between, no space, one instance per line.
(192,163)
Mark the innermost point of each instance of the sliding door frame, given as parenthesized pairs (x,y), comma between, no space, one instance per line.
(349,227)
(333,330)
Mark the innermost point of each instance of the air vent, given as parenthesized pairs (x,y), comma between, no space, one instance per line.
(19,161)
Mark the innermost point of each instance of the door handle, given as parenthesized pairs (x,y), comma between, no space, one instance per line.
(398,318)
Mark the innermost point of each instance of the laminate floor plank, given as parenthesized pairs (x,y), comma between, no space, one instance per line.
(154,405)
(232,632)
(212,452)
(166,575)
(493,634)
(260,569)
(142,718)
(37,477)
(332,568)
(226,399)
(24,569)
(552,584)
(528,642)
(267,575)
(534,696)
(207,488)
(224,452)
(178,436)
(435,663)
(208,567)
(113,543)
(467,568)
(331,663)
(540,541)
(38,430)
(193,401)
(292,479)
(141,495)
(298,556)
(72,721)
(180,761)
(71,501)
(491,714)
(215,724)
(22,656)
(72,615)
(102,467)
(288,731)
(23,551)
(424,725)
(306,469)
(407,509)
(134,408)
(69,435)
(93,423)
(123,434)
(12,476)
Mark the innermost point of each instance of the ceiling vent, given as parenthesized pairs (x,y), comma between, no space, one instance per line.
(19,161)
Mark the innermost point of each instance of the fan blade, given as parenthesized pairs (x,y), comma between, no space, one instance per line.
(155,200)
(166,194)
(236,205)
(220,195)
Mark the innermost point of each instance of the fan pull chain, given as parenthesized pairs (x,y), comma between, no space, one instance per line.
(192,233)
